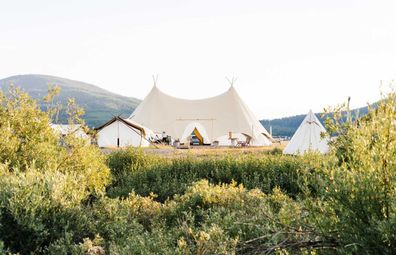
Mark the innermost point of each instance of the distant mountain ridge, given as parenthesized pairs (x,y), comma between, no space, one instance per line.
(100,105)
(287,126)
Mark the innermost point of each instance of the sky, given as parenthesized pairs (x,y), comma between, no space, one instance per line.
(288,56)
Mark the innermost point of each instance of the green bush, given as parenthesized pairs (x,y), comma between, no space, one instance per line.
(360,181)
(167,177)
(250,221)
(71,199)
(43,186)
(26,138)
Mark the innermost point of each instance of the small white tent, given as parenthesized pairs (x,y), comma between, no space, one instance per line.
(308,137)
(76,130)
(119,132)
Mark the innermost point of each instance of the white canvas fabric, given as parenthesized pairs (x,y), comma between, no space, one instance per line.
(63,129)
(121,133)
(307,137)
(226,141)
(219,115)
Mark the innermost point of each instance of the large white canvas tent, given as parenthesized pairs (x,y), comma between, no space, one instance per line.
(119,132)
(225,115)
(308,137)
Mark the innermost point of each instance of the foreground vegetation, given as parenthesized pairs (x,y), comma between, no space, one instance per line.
(100,105)
(71,199)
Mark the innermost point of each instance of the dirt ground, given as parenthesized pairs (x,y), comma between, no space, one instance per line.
(201,151)
(198,151)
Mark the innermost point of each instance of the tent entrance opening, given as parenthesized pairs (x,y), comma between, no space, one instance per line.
(196,137)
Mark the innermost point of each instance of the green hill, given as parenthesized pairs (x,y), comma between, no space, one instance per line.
(99,104)
(287,126)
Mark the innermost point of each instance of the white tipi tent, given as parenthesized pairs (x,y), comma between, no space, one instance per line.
(213,117)
(307,137)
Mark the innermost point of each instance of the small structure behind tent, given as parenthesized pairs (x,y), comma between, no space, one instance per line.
(76,130)
(308,137)
(119,132)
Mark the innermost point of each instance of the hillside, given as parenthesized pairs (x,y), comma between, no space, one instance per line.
(99,104)
(288,125)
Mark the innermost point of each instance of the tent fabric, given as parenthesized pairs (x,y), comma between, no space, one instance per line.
(191,128)
(63,129)
(198,135)
(119,132)
(226,141)
(308,137)
(218,115)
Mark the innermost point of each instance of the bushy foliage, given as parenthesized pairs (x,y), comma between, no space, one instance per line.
(206,219)
(145,174)
(59,197)
(43,185)
(360,184)
(27,141)
(26,138)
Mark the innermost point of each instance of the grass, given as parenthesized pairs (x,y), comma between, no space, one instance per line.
(204,151)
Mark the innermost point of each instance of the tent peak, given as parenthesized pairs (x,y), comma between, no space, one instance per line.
(231,81)
(164,94)
(311,118)
(155,79)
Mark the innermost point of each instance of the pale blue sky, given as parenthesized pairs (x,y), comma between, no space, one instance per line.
(289,56)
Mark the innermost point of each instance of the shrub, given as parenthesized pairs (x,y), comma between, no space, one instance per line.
(26,138)
(245,221)
(167,177)
(360,183)
(43,186)
(53,199)
(39,206)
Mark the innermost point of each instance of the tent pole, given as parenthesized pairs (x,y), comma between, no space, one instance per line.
(143,137)
(118,134)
